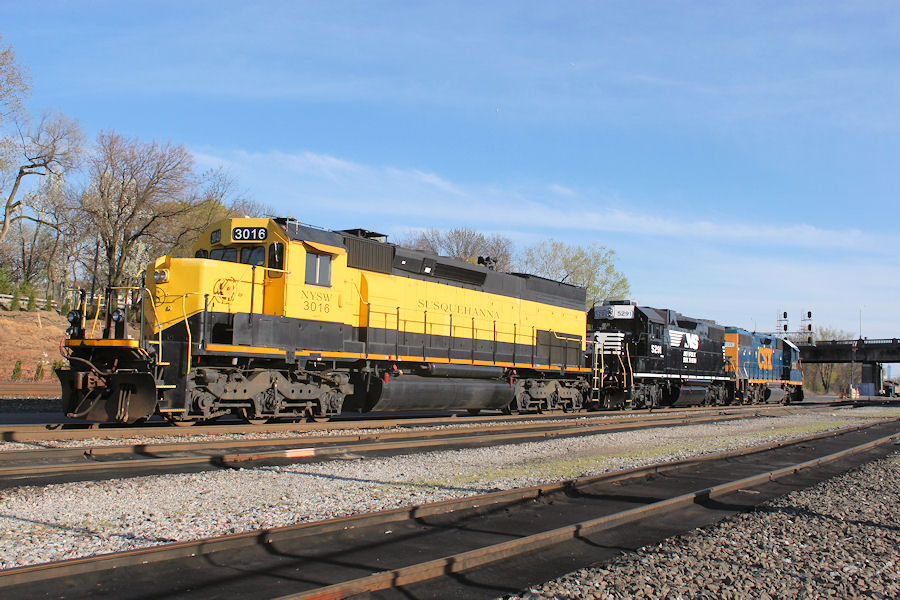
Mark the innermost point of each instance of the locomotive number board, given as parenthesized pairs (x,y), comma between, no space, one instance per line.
(249,234)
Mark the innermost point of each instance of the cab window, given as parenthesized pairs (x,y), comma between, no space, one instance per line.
(318,269)
(253,255)
(201,253)
(226,254)
(276,259)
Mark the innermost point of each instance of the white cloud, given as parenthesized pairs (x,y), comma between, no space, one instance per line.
(400,194)
(737,272)
(561,190)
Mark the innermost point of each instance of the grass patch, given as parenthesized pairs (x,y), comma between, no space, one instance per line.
(558,468)
(882,413)
(805,429)
(573,467)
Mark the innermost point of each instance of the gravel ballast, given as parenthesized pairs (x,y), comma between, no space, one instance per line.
(839,539)
(40,524)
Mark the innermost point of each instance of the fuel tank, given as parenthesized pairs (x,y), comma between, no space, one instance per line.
(690,395)
(775,394)
(413,392)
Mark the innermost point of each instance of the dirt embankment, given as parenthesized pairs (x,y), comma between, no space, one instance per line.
(32,337)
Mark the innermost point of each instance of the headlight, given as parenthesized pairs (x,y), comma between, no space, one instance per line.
(161,276)
(73,316)
(118,315)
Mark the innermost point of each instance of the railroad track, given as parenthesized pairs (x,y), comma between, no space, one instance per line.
(84,431)
(479,546)
(48,465)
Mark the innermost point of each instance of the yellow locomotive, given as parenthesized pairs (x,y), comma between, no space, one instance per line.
(275,319)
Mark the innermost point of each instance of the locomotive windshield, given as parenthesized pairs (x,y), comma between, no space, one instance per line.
(226,254)
(249,255)
(253,255)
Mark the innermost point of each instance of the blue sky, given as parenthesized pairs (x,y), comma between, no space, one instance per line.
(740,157)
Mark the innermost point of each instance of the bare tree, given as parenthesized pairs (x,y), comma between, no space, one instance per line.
(216,197)
(46,148)
(13,84)
(54,206)
(134,188)
(823,376)
(463,243)
(592,267)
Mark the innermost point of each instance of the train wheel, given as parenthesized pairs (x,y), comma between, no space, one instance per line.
(474,411)
(181,422)
(247,416)
(311,417)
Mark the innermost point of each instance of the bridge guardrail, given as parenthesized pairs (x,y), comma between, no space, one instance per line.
(854,342)
(6,299)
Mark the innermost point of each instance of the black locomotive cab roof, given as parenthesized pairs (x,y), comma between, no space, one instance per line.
(652,314)
(370,251)
(663,316)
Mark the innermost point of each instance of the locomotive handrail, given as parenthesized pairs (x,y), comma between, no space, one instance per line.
(156,325)
(630,367)
(622,364)
(187,327)
(403,317)
(97,314)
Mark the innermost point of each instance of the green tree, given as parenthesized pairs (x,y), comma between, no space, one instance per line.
(17,371)
(31,306)
(16,302)
(5,280)
(590,266)
(39,371)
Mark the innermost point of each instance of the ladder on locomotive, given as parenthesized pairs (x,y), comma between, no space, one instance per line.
(597,369)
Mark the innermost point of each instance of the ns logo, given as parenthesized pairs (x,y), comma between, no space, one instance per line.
(690,340)
(764,358)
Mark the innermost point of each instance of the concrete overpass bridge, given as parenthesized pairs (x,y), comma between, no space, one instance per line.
(871,353)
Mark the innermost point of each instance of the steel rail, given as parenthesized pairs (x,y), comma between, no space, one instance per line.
(144,556)
(78,431)
(313,448)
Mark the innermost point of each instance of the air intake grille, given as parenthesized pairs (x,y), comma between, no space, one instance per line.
(455,273)
(369,255)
